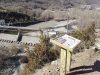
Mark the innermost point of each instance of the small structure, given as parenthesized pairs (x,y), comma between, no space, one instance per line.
(67,44)
(19,39)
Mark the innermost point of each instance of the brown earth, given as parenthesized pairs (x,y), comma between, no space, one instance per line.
(83,63)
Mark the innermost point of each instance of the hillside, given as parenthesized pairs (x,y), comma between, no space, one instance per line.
(45,4)
(55,1)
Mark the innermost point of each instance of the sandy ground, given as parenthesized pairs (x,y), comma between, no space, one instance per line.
(85,63)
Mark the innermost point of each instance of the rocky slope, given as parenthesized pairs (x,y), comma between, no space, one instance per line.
(45,4)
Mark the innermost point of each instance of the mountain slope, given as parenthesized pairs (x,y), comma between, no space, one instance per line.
(45,4)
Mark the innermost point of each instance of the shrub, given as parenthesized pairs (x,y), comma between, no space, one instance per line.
(47,15)
(84,16)
(42,53)
(5,54)
(86,35)
(13,50)
(60,15)
(37,14)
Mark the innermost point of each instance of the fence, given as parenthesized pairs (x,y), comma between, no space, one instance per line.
(5,43)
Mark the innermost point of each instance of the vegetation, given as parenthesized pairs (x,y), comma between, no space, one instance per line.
(84,16)
(5,54)
(41,54)
(86,35)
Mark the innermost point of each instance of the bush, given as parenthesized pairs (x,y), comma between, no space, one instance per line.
(5,54)
(41,54)
(86,35)
(37,14)
(60,15)
(84,16)
(47,15)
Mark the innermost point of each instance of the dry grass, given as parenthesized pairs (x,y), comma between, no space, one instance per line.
(85,16)
(86,35)
(13,50)
(47,15)
(41,54)
(5,54)
(53,15)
